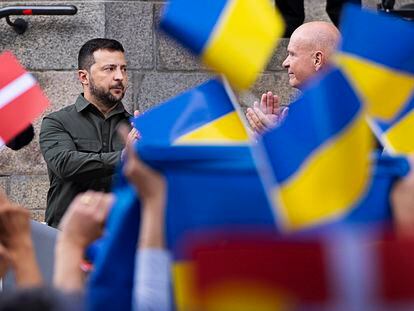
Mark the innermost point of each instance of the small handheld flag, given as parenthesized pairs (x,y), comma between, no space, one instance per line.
(21,99)
(233,37)
(377,56)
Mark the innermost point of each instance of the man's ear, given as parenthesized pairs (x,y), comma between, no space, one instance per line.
(83,76)
(318,60)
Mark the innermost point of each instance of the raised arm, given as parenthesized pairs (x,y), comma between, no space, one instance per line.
(82,224)
(153,265)
(16,238)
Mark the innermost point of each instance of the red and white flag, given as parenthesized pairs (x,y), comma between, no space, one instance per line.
(21,98)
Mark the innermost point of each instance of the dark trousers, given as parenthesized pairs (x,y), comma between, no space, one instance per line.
(293,12)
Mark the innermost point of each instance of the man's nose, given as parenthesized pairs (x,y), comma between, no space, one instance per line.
(285,63)
(119,75)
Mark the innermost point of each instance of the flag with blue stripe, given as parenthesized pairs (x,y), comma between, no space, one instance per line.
(320,168)
(234,37)
(377,56)
(204,115)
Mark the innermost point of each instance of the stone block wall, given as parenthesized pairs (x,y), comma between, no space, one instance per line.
(158,69)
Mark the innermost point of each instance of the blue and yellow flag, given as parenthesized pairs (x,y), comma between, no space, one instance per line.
(204,115)
(320,156)
(199,141)
(233,37)
(377,56)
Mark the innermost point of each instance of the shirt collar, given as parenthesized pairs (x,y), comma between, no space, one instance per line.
(81,104)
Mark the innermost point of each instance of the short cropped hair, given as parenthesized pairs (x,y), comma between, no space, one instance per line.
(85,57)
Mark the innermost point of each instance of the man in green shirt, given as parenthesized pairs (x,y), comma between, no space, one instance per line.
(79,142)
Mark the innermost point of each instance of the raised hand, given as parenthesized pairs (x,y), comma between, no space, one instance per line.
(267,114)
(147,181)
(82,224)
(85,218)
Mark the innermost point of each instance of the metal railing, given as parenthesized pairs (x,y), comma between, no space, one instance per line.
(405,11)
(20,25)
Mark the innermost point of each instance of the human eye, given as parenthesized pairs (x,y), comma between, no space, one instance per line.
(109,68)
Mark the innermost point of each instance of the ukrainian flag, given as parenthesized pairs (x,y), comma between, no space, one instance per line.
(233,37)
(204,115)
(377,56)
(320,156)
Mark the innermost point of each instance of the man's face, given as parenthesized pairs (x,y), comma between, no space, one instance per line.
(108,77)
(299,62)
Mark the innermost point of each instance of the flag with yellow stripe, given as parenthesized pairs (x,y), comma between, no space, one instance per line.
(377,56)
(204,115)
(320,168)
(233,37)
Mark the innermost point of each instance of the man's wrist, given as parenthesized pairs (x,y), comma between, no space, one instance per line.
(20,249)
(69,243)
(24,263)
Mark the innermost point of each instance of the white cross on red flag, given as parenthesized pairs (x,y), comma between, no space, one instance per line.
(21,98)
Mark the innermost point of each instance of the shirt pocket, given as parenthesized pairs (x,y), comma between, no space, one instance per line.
(88,145)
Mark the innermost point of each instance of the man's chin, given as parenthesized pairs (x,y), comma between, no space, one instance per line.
(118,96)
(293,83)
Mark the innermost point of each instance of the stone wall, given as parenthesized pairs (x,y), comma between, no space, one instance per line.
(158,69)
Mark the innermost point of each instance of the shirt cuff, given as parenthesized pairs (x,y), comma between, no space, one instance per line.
(152,280)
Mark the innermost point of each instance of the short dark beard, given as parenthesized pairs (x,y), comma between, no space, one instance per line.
(105,98)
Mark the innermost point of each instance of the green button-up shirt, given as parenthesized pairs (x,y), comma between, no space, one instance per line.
(81,149)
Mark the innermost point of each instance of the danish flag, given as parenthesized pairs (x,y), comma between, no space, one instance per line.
(21,99)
